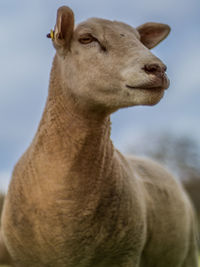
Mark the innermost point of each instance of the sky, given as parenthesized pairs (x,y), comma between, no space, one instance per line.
(26,56)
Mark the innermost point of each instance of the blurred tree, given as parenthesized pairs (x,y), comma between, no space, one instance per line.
(180,154)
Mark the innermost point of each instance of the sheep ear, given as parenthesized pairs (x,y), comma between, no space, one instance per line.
(64,28)
(152,33)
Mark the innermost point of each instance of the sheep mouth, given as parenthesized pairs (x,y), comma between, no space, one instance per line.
(158,88)
(156,85)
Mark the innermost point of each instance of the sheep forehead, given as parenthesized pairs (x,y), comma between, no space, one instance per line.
(106,27)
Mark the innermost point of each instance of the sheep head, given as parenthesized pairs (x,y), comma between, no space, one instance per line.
(106,65)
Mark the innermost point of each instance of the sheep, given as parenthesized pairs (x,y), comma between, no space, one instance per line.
(76,201)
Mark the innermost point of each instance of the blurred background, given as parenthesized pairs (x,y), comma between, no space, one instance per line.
(169,131)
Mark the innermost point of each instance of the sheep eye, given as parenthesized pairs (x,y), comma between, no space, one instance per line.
(86,39)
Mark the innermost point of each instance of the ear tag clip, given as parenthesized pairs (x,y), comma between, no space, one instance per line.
(51,35)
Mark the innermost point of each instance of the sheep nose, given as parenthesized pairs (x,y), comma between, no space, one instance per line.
(156,69)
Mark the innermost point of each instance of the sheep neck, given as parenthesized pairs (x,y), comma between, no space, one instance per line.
(73,141)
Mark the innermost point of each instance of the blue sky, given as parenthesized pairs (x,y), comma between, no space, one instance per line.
(26,56)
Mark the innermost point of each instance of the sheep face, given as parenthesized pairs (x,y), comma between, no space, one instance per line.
(107,65)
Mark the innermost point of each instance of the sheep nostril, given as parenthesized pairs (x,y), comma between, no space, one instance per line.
(152,68)
(155,69)
(164,68)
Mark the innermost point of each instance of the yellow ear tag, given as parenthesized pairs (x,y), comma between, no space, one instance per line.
(52,34)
